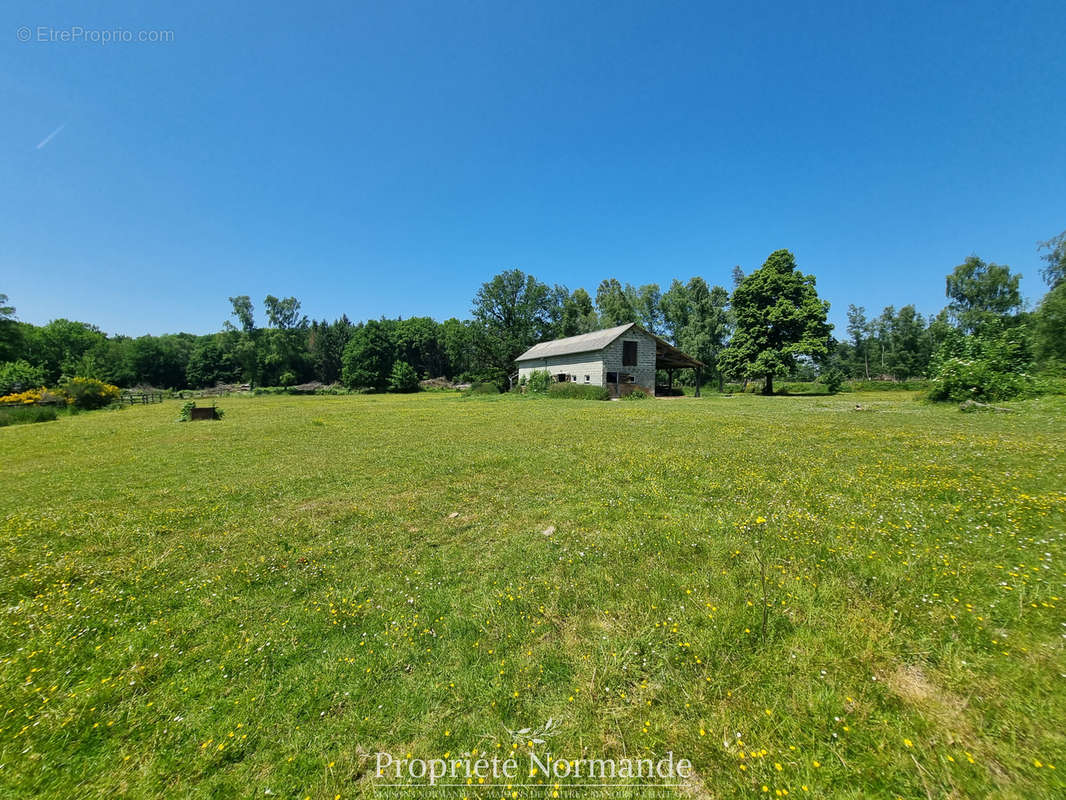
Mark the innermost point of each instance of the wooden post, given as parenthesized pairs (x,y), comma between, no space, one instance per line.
(697,381)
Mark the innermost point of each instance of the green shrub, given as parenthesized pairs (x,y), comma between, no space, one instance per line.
(799,388)
(833,380)
(960,379)
(916,385)
(740,388)
(577,391)
(89,393)
(22,415)
(484,388)
(990,364)
(1050,384)
(539,381)
(333,389)
(403,378)
(305,389)
(636,394)
(186,412)
(18,376)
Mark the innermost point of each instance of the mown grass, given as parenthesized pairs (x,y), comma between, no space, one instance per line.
(252,606)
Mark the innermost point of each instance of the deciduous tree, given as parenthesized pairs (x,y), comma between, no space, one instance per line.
(1055,271)
(403,378)
(10,333)
(615,305)
(513,312)
(859,333)
(368,357)
(980,292)
(1049,329)
(244,312)
(283,314)
(650,308)
(778,316)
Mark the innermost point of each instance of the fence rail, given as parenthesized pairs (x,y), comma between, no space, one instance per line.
(140,398)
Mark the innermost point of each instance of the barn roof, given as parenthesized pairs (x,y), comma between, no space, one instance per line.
(584,343)
(666,355)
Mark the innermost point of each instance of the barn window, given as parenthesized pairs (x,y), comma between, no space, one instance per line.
(612,377)
(629,354)
(628,378)
(562,378)
(586,379)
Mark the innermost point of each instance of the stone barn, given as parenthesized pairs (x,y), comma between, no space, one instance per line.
(620,359)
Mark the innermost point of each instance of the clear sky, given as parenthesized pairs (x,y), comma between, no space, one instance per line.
(386,158)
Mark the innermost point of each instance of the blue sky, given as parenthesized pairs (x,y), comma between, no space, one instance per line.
(387,158)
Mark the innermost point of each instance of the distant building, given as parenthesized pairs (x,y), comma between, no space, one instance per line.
(620,359)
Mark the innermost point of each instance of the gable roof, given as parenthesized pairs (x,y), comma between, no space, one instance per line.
(666,355)
(583,343)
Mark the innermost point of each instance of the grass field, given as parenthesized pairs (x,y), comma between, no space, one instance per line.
(250,607)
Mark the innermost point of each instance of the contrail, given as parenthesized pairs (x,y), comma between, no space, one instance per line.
(51,136)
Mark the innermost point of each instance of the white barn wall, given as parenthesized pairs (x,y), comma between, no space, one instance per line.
(580,364)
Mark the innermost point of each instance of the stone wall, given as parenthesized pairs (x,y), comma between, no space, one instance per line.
(643,373)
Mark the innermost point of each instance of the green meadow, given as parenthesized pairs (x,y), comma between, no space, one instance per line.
(256,606)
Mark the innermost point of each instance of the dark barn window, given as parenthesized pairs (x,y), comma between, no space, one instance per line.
(612,377)
(629,354)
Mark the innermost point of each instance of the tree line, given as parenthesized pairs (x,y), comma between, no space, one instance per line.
(771,324)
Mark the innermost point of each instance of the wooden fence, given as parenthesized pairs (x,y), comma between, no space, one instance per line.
(140,398)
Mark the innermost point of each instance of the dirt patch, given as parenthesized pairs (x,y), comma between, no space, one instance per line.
(910,683)
(695,788)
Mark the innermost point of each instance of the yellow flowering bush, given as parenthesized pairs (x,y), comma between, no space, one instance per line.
(87,393)
(90,393)
(29,397)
